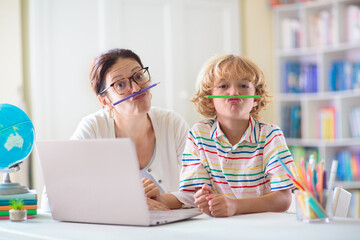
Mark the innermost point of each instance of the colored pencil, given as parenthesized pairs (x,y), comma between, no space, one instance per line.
(302,172)
(229,96)
(134,94)
(296,183)
(320,180)
(285,167)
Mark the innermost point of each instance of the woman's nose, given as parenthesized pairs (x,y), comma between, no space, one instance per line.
(135,87)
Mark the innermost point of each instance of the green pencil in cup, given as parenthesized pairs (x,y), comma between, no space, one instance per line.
(229,96)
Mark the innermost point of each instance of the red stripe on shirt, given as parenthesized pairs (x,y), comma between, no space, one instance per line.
(192,141)
(243,186)
(251,186)
(206,123)
(279,166)
(207,151)
(277,135)
(187,190)
(230,157)
(194,164)
(251,129)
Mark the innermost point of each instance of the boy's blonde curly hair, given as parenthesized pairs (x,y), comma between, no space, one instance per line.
(221,67)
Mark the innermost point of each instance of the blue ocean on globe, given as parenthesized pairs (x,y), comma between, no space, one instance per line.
(17,136)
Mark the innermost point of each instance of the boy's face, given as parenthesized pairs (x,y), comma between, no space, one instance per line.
(234,107)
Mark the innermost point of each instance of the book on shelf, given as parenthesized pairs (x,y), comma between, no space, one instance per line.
(7,217)
(354,118)
(354,208)
(27,207)
(29,195)
(291,30)
(5,202)
(29,198)
(29,212)
(321,28)
(299,77)
(299,152)
(326,123)
(344,75)
(353,23)
(348,165)
(291,121)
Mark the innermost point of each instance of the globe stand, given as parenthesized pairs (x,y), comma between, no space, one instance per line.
(8,187)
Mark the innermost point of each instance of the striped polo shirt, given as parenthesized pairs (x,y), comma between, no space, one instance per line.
(248,169)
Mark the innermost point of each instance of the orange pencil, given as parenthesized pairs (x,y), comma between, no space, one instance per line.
(303,172)
(320,182)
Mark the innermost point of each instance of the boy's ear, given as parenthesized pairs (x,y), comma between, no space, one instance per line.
(255,103)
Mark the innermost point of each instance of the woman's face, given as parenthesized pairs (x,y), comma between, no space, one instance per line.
(233,108)
(139,104)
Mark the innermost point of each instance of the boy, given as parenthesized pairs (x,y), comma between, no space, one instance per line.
(230,160)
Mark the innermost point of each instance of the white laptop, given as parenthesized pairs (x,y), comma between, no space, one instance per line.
(98,181)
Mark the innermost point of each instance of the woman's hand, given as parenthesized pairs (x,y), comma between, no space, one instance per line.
(150,188)
(200,198)
(221,206)
(156,205)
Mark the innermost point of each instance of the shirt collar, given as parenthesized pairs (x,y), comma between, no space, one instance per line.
(251,134)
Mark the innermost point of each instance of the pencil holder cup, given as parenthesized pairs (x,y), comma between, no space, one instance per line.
(309,210)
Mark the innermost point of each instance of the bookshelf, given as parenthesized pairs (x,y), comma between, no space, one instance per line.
(317,57)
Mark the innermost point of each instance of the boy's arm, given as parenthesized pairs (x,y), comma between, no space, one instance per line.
(277,201)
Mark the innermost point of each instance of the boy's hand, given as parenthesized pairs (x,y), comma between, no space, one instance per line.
(221,206)
(200,198)
(150,188)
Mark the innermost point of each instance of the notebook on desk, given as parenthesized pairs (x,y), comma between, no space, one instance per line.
(98,181)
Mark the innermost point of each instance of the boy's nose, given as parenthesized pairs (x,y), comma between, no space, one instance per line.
(234,91)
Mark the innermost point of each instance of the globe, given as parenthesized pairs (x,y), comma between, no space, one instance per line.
(17,136)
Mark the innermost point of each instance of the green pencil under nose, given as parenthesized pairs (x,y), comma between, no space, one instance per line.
(229,96)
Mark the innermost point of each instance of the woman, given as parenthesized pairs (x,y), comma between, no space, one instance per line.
(159,135)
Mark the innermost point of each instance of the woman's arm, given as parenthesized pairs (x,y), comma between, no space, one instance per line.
(169,200)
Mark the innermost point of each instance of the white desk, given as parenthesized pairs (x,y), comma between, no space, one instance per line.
(252,226)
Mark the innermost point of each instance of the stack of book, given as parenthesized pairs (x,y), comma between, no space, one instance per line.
(349,165)
(344,75)
(321,30)
(30,203)
(291,36)
(299,77)
(354,122)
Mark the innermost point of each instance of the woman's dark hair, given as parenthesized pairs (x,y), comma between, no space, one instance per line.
(103,62)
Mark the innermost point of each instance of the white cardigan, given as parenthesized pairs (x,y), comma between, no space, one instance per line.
(170,133)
